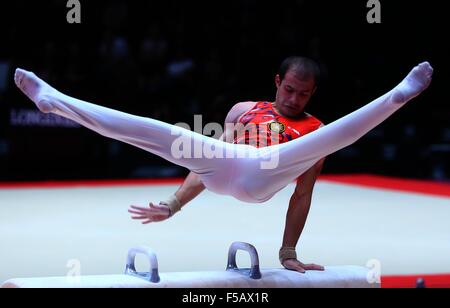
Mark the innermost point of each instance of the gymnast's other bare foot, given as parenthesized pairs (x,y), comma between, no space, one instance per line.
(35,89)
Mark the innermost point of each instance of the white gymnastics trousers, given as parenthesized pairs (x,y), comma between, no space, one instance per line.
(245,172)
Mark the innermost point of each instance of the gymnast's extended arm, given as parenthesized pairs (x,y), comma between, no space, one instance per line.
(297,213)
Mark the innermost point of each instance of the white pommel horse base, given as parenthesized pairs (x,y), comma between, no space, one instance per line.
(232,277)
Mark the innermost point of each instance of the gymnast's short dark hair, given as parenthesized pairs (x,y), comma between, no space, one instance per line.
(304,68)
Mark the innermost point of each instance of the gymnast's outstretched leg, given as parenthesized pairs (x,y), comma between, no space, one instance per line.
(297,156)
(353,126)
(149,134)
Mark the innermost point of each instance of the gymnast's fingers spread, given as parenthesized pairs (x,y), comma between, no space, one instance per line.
(314,267)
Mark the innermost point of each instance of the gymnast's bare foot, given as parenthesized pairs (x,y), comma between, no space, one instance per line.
(36,89)
(415,83)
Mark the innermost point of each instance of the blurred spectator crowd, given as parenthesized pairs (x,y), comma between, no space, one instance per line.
(170,60)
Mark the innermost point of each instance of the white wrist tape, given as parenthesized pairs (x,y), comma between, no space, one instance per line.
(173,204)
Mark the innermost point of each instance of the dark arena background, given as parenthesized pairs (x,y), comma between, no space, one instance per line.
(170,60)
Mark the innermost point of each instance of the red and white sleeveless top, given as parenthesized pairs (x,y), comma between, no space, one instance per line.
(263,126)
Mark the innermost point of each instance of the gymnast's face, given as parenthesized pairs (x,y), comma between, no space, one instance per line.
(293,94)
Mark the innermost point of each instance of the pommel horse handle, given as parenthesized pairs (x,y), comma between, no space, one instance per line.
(254,273)
(130,269)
